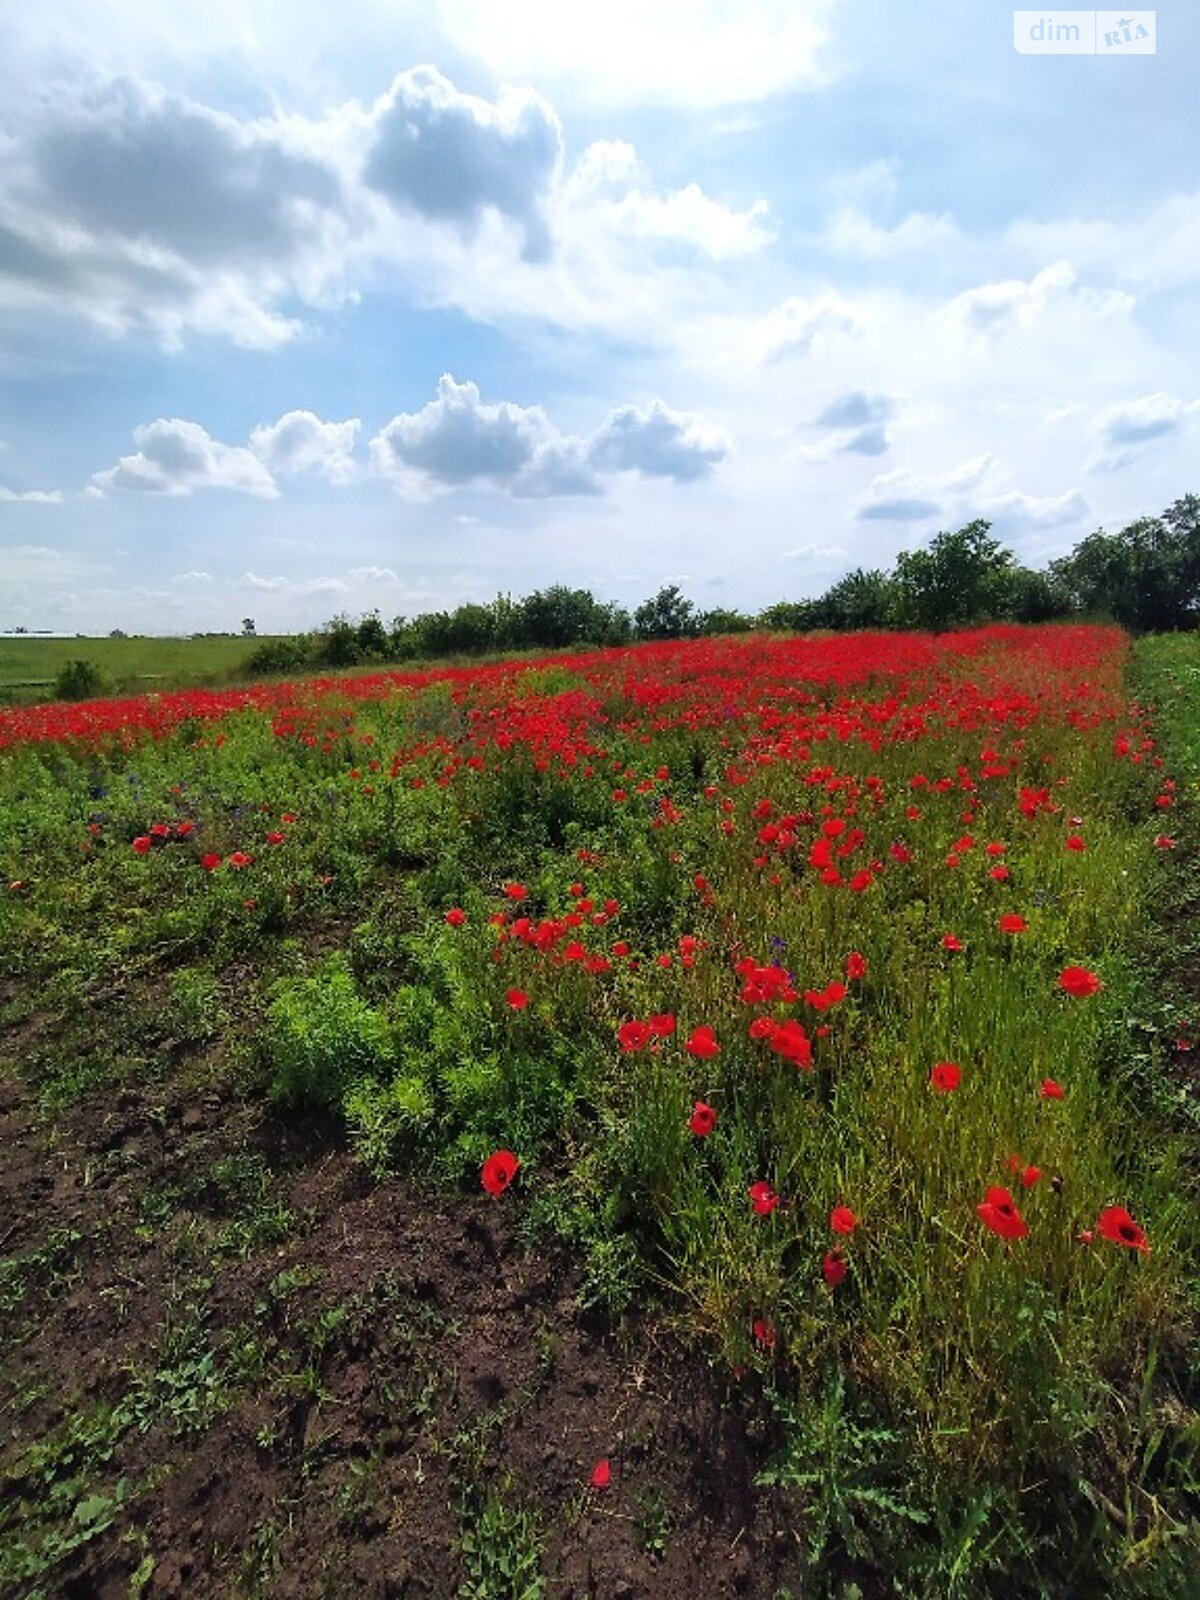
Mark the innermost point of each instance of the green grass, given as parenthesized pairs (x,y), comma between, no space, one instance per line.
(29,665)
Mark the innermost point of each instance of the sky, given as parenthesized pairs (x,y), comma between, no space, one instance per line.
(311,309)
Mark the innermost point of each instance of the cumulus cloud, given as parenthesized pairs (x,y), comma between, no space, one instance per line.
(1016,511)
(31,497)
(450,156)
(995,309)
(301,443)
(610,189)
(176,458)
(137,208)
(907,496)
(459,439)
(140,209)
(1126,431)
(856,421)
(660,443)
(795,325)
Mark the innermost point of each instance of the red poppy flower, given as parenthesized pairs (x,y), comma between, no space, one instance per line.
(601,1474)
(239,858)
(763,1198)
(1010,922)
(515,891)
(1029,1176)
(160,830)
(142,844)
(860,881)
(1078,982)
(999,1213)
(276,838)
(456,916)
(764,1334)
(856,965)
(1163,842)
(833,1268)
(1075,843)
(1116,1224)
(702,1120)
(517,999)
(1051,1090)
(949,942)
(703,1043)
(842,1220)
(211,861)
(499,1170)
(633,1035)
(946,1077)
(1000,874)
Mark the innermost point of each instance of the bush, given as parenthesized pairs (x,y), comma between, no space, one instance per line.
(78,680)
(280,655)
(323,1037)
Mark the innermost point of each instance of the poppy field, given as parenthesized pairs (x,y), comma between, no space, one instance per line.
(714,1117)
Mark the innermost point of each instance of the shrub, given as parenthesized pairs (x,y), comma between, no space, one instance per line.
(78,680)
(323,1036)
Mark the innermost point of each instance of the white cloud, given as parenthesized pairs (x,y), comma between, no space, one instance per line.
(175,457)
(648,51)
(660,443)
(449,156)
(301,443)
(1125,431)
(907,496)
(993,309)
(458,439)
(1014,512)
(795,325)
(31,497)
(140,209)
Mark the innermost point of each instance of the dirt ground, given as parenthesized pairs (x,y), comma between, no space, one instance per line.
(235,1365)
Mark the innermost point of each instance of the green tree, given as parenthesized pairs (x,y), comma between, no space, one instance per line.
(959,579)
(667,616)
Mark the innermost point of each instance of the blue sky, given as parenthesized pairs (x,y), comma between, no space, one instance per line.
(307,309)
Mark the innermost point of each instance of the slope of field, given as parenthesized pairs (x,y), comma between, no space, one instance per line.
(685,1120)
(29,665)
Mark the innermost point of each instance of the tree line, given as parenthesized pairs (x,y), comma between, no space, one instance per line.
(1145,577)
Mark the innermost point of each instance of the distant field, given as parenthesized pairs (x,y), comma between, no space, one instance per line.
(29,665)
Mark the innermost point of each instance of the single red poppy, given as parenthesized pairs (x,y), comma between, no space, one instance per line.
(842,1220)
(856,965)
(946,1077)
(949,942)
(999,1213)
(515,891)
(763,1198)
(211,861)
(517,999)
(142,844)
(1075,843)
(601,1474)
(633,1035)
(1029,1176)
(1116,1224)
(702,1120)
(833,1268)
(703,1043)
(1050,1090)
(456,916)
(1078,982)
(499,1170)
(239,858)
(1010,922)
(764,1333)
